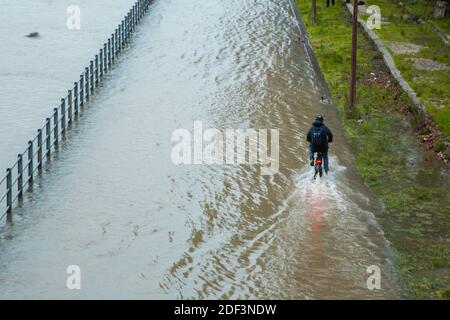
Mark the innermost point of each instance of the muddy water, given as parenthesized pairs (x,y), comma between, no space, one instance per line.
(139,226)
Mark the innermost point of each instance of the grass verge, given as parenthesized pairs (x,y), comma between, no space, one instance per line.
(400,24)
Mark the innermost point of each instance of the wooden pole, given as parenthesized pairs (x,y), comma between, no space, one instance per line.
(352,94)
(313,12)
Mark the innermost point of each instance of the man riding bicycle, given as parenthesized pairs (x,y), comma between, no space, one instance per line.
(318,137)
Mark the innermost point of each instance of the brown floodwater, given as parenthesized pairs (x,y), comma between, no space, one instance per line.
(139,226)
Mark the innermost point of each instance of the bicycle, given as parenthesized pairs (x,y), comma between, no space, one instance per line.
(318,165)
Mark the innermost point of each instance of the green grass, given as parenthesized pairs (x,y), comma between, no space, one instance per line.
(424,9)
(432,87)
(405,178)
(444,24)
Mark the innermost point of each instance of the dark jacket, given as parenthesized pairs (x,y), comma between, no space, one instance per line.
(316,125)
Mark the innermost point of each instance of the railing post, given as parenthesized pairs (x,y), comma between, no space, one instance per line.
(131,20)
(127,19)
(86,82)
(81,90)
(63,116)
(30,165)
(20,177)
(130,25)
(116,48)
(122,37)
(91,72)
(109,53)
(112,49)
(139,10)
(75,98)
(96,70)
(69,107)
(48,133)
(39,151)
(8,195)
(105,54)
(119,37)
(125,26)
(55,128)
(101,63)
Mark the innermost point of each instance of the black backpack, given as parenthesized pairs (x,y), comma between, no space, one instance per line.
(319,137)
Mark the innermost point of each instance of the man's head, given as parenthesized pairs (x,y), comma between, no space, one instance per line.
(319,118)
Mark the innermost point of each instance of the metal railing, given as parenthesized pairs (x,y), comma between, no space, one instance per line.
(20,176)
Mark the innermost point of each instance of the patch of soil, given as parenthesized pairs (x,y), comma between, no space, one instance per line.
(428,65)
(429,139)
(423,79)
(404,47)
(427,131)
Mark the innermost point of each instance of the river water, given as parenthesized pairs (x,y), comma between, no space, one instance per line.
(139,226)
(35,73)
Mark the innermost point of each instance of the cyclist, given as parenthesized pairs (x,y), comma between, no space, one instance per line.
(318,137)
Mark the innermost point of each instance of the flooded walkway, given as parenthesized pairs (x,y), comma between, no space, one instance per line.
(141,227)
